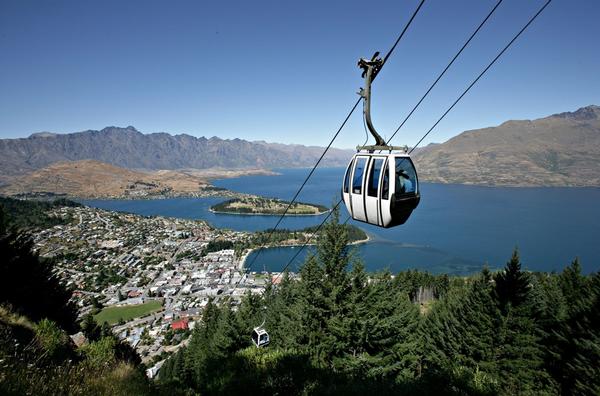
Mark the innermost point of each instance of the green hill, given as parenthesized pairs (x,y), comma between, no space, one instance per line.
(267,206)
(27,214)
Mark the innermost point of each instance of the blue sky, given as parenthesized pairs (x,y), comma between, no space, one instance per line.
(285,71)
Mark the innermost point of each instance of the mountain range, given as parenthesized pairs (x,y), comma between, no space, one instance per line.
(129,148)
(559,150)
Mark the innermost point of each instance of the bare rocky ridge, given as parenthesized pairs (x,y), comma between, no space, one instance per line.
(128,148)
(559,150)
(94,179)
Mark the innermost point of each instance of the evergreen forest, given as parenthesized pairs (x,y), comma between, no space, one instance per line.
(335,329)
(339,330)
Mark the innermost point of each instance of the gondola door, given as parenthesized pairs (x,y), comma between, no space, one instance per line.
(384,195)
(346,188)
(357,187)
(371,191)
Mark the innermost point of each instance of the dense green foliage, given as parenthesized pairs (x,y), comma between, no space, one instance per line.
(335,331)
(22,214)
(267,206)
(270,237)
(216,245)
(353,232)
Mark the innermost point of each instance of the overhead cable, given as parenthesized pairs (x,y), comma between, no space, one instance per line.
(434,125)
(272,231)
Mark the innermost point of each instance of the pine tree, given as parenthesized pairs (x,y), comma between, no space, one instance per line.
(512,284)
(349,331)
(575,288)
(584,367)
(90,328)
(353,327)
(250,313)
(334,257)
(196,360)
(479,315)
(442,333)
(393,331)
(458,340)
(575,349)
(313,308)
(333,252)
(105,330)
(519,353)
(283,313)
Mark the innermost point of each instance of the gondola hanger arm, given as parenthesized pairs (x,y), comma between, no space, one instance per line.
(370,70)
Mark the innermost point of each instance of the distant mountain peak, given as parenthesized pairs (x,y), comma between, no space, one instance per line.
(116,129)
(42,135)
(590,112)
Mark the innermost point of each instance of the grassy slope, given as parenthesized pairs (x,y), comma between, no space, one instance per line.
(114,314)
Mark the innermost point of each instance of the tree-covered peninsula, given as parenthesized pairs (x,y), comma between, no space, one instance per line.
(267,206)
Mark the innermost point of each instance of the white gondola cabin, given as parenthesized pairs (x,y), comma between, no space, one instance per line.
(381,189)
(260,337)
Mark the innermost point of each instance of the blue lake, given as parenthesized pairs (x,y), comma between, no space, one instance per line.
(456,229)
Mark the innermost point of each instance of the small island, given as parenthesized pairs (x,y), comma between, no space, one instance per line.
(267,206)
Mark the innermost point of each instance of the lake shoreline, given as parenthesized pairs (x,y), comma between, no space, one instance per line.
(268,214)
(454,219)
(244,258)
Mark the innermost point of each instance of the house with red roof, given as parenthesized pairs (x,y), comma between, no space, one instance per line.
(181,324)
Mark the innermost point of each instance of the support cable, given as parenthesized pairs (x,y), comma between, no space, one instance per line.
(269,237)
(430,129)
(445,70)
(482,73)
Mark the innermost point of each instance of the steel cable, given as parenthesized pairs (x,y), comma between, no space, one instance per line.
(430,129)
(272,231)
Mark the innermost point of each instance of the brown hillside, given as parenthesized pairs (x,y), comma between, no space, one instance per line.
(89,178)
(559,150)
